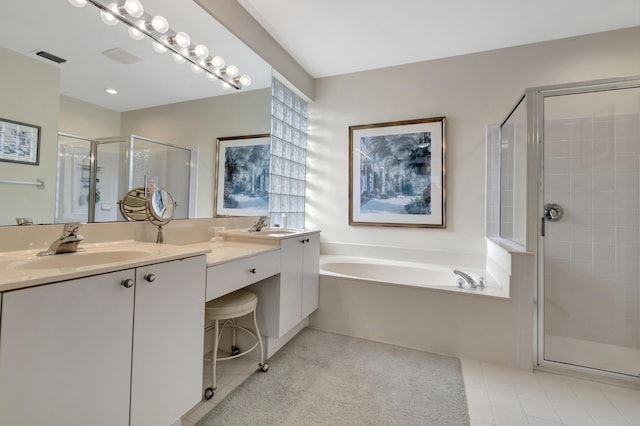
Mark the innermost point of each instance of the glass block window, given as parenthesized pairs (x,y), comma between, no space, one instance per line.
(288,156)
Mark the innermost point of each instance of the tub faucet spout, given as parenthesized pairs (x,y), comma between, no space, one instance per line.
(467,281)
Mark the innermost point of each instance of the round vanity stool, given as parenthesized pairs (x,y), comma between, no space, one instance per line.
(228,308)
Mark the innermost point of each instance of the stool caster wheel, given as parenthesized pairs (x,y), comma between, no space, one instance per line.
(235,350)
(264,367)
(208,393)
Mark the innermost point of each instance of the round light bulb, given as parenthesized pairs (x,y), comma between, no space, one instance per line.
(245,81)
(109,17)
(182,39)
(178,59)
(134,8)
(196,69)
(231,71)
(78,3)
(135,33)
(158,47)
(160,24)
(216,62)
(225,85)
(201,51)
(212,77)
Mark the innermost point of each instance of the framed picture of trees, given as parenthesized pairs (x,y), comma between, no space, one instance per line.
(396,173)
(242,180)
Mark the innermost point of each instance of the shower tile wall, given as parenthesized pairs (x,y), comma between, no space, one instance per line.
(592,255)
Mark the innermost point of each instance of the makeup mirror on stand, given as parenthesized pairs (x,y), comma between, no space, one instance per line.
(156,206)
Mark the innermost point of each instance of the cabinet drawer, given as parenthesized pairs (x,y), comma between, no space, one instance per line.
(228,277)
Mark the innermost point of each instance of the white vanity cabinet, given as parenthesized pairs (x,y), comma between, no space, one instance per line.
(65,353)
(120,348)
(310,274)
(168,321)
(290,297)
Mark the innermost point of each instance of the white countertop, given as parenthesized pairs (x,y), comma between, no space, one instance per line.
(267,234)
(24,268)
(15,272)
(227,251)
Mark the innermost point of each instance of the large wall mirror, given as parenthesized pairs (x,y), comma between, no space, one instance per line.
(161,105)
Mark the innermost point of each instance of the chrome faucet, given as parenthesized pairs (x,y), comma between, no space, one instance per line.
(467,281)
(68,241)
(261,223)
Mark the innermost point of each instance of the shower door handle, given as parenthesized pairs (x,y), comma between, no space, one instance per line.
(552,212)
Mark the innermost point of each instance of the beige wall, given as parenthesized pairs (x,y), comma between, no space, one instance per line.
(197,124)
(88,120)
(29,94)
(471,91)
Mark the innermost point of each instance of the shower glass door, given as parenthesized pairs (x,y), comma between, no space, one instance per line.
(159,165)
(73,180)
(591,246)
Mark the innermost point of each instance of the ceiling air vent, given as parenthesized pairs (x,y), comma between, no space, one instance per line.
(122,56)
(50,57)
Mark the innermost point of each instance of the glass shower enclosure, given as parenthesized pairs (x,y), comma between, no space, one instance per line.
(93,174)
(569,189)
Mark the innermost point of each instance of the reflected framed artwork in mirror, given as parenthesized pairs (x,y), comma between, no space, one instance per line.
(396,174)
(242,181)
(19,142)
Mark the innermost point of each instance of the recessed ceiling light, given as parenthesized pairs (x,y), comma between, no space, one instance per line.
(111,91)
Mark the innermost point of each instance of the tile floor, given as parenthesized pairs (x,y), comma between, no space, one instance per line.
(496,395)
(505,396)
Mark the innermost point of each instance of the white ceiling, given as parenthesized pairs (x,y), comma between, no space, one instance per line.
(326,37)
(331,37)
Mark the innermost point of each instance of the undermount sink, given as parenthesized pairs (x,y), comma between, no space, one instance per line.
(80,259)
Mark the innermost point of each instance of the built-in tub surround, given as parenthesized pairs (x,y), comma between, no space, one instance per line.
(406,274)
(465,323)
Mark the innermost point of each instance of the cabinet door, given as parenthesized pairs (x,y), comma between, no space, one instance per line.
(290,284)
(65,353)
(168,339)
(310,275)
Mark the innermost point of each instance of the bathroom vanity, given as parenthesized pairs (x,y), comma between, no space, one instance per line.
(282,268)
(119,345)
(114,335)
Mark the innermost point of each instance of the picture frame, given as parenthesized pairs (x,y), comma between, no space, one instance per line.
(242,178)
(19,142)
(397,173)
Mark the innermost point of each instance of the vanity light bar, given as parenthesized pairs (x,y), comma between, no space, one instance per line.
(164,38)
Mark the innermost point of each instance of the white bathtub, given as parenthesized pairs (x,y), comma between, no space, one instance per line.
(416,305)
(393,272)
